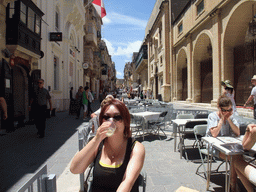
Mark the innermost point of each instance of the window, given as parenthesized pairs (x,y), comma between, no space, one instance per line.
(31,19)
(180,28)
(38,25)
(23,13)
(56,72)
(57,20)
(161,60)
(200,7)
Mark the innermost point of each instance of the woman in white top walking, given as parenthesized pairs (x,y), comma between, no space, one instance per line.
(230,93)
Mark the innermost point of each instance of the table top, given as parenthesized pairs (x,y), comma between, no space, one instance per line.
(228,145)
(147,114)
(180,122)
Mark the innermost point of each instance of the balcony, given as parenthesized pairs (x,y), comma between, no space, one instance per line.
(91,35)
(160,49)
(23,25)
(142,57)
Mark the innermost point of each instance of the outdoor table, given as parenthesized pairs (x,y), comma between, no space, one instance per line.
(147,115)
(180,123)
(217,143)
(131,101)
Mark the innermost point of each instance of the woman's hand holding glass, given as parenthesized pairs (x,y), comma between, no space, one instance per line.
(102,130)
(107,129)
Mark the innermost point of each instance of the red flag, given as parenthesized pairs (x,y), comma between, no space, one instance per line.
(100,8)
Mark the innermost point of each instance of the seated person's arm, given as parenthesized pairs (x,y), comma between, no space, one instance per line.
(87,155)
(234,126)
(133,168)
(96,113)
(214,125)
(216,130)
(249,137)
(93,115)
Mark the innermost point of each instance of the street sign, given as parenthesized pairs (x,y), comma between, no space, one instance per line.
(55,36)
(85,65)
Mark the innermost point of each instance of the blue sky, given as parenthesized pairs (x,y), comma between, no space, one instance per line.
(123,29)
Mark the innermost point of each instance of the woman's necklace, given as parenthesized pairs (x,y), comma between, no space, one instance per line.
(119,149)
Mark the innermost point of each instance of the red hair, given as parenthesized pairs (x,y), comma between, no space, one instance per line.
(124,112)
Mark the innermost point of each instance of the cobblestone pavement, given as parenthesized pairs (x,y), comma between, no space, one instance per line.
(22,154)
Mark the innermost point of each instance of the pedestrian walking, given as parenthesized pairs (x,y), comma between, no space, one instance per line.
(252,96)
(230,93)
(71,99)
(79,104)
(85,102)
(101,96)
(90,100)
(39,106)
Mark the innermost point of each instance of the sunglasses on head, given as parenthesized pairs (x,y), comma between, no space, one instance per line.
(116,117)
(226,110)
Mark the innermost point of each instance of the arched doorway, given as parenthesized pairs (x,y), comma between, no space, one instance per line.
(20,94)
(182,77)
(239,50)
(202,70)
(156,83)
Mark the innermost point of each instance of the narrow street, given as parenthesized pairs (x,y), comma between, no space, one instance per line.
(22,153)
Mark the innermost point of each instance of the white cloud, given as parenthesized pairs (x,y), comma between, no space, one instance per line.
(111,49)
(125,49)
(106,20)
(116,18)
(119,74)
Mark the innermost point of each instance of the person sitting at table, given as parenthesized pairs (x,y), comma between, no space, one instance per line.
(97,113)
(222,122)
(117,159)
(246,171)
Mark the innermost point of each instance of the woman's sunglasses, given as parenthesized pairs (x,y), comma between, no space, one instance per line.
(116,117)
(226,110)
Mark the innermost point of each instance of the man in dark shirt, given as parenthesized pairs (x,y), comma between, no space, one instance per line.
(71,99)
(71,94)
(39,105)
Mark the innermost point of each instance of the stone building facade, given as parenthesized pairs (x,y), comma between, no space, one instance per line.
(61,66)
(58,41)
(195,44)
(212,41)
(158,45)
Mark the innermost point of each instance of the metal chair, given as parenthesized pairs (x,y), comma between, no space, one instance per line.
(185,116)
(143,180)
(201,116)
(136,124)
(199,132)
(187,131)
(156,125)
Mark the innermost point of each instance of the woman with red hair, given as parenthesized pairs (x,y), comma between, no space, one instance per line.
(117,159)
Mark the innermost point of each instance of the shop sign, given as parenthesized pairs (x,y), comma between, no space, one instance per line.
(56,36)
